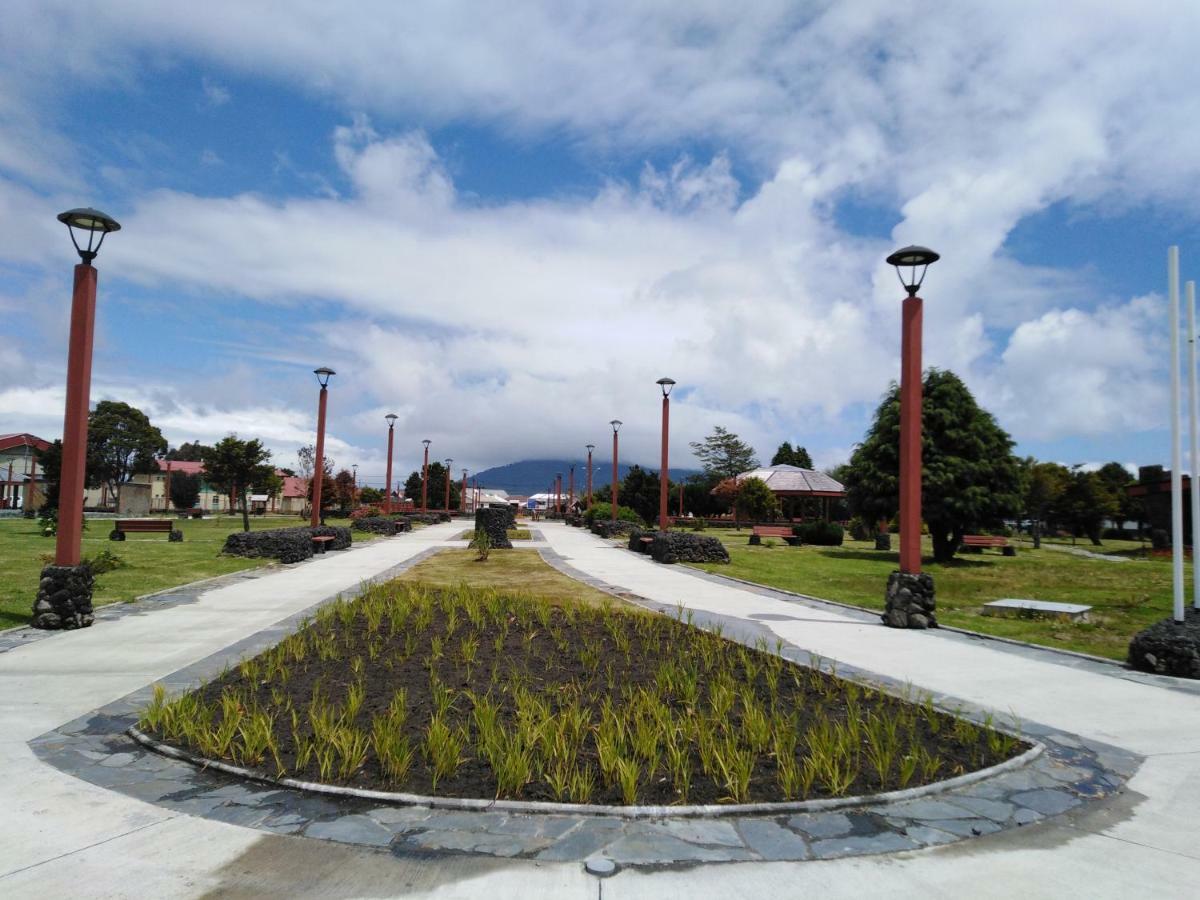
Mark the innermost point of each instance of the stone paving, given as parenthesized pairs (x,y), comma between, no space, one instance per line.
(1068,777)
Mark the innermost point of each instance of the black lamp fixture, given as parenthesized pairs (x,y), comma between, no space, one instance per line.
(391,419)
(912,258)
(616,425)
(666,384)
(93,222)
(427,442)
(323,375)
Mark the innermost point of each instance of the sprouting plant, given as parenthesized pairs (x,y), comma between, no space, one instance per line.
(443,748)
(628,776)
(906,769)
(392,748)
(512,765)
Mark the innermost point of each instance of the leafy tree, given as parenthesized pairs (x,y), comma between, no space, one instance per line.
(1116,479)
(437,487)
(1087,501)
(185,490)
(272,485)
(234,465)
(50,461)
(969,477)
(639,491)
(370,495)
(342,490)
(121,443)
(723,455)
(787,456)
(1043,487)
(726,493)
(328,493)
(755,500)
(188,451)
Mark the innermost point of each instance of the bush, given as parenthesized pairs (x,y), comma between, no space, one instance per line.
(602,510)
(820,534)
(105,561)
(861,530)
(365,512)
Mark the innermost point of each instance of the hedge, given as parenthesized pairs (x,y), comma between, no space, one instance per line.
(821,534)
(287,545)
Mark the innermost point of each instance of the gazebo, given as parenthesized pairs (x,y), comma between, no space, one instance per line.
(793,481)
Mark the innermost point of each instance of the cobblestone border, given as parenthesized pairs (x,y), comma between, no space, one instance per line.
(1068,774)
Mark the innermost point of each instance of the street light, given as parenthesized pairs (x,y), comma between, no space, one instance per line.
(664,519)
(590,448)
(425,478)
(354,496)
(900,612)
(462,495)
(65,582)
(323,375)
(391,420)
(449,462)
(571,488)
(616,426)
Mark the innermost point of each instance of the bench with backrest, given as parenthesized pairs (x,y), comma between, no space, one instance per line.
(779,531)
(977,543)
(122,527)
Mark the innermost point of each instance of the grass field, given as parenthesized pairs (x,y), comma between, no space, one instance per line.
(518,571)
(152,563)
(1126,597)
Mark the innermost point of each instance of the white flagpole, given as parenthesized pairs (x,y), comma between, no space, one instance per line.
(1195,449)
(1176,461)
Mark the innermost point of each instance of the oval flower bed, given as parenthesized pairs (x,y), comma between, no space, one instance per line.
(475,694)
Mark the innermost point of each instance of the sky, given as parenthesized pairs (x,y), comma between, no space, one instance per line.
(504,224)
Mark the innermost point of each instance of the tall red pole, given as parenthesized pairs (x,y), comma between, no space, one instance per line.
(75,421)
(462,499)
(910,436)
(614,477)
(319,462)
(589,477)
(448,462)
(387,502)
(425,480)
(571,489)
(681,499)
(8,489)
(664,516)
(167,498)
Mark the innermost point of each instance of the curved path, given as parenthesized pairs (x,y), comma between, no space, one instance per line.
(60,835)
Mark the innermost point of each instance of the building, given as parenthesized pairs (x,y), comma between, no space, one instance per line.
(22,485)
(292,500)
(795,482)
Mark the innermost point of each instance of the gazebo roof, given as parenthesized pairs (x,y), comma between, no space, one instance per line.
(792,481)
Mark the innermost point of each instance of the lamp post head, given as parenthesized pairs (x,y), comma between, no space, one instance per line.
(449,462)
(93,222)
(666,384)
(591,447)
(427,442)
(355,468)
(391,419)
(323,375)
(912,258)
(616,425)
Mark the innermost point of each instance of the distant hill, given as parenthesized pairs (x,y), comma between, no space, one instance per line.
(531,476)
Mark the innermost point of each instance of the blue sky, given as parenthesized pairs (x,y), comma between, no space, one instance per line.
(505,231)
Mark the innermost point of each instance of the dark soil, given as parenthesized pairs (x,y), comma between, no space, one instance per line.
(548,660)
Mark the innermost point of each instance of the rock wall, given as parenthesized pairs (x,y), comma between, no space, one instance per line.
(496,522)
(909,602)
(64,598)
(1169,647)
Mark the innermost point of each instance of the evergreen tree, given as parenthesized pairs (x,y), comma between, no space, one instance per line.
(969,477)
(233,465)
(185,490)
(121,443)
(723,455)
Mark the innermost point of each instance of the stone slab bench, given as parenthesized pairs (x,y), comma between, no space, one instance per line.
(1015,608)
(320,542)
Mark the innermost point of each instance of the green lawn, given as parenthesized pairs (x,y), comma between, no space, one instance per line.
(152,562)
(1125,597)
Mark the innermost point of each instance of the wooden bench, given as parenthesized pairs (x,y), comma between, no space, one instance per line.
(779,531)
(977,543)
(320,542)
(122,527)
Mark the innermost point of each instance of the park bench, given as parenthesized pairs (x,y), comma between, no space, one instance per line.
(780,531)
(977,543)
(320,542)
(122,527)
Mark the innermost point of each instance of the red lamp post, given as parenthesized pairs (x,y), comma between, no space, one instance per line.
(462,495)
(681,499)
(664,517)
(590,448)
(425,478)
(167,497)
(558,493)
(571,489)
(79,380)
(449,462)
(616,426)
(918,611)
(323,375)
(354,491)
(387,500)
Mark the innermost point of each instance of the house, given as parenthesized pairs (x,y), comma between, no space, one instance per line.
(22,486)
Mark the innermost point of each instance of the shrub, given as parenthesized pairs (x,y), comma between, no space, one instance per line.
(105,561)
(602,510)
(821,534)
(365,512)
(861,530)
(482,544)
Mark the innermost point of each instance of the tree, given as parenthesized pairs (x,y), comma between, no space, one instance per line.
(188,451)
(726,493)
(342,490)
(50,461)
(1087,501)
(370,495)
(787,456)
(185,490)
(969,477)
(723,455)
(1043,487)
(755,500)
(121,443)
(437,487)
(234,465)
(1116,479)
(306,461)
(639,491)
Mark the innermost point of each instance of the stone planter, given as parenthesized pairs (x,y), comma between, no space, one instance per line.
(64,598)
(909,601)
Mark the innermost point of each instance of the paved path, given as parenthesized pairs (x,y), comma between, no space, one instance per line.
(61,836)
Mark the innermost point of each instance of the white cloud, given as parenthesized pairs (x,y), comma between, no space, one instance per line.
(214,93)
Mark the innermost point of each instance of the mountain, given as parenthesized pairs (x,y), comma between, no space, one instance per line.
(532,476)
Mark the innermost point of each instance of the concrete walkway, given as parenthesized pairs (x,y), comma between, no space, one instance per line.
(61,836)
